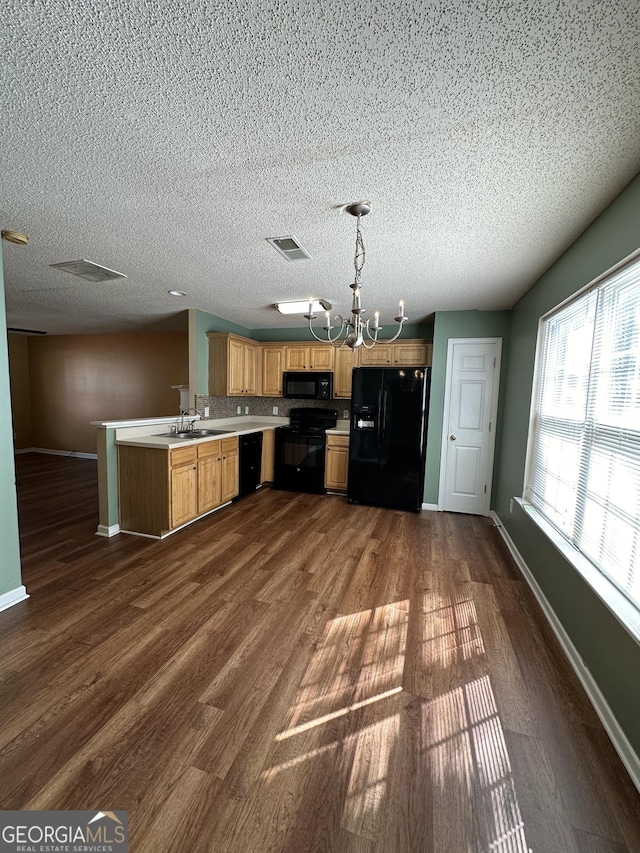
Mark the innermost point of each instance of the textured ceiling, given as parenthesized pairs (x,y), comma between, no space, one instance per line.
(167,140)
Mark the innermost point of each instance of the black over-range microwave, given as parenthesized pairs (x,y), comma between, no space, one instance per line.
(307,386)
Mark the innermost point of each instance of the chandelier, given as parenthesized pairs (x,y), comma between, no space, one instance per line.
(354,331)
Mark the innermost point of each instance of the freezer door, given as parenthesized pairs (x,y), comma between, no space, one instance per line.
(365,437)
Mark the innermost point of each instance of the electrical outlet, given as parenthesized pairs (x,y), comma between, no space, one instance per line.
(246,410)
(275,410)
(238,410)
(206,411)
(345,414)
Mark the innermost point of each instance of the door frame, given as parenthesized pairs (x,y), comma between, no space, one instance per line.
(451,342)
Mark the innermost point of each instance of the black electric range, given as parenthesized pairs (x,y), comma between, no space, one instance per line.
(300,450)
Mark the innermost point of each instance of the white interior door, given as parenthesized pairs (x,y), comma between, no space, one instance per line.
(469,425)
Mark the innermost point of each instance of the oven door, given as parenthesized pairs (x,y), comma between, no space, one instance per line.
(299,461)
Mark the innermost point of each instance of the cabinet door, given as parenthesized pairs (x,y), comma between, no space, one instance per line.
(229,473)
(296,358)
(321,357)
(235,368)
(337,465)
(209,476)
(345,360)
(378,356)
(183,494)
(410,353)
(251,369)
(268,454)
(272,371)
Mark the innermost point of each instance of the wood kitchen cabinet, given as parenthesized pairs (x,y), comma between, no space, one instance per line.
(345,360)
(160,490)
(235,365)
(268,456)
(183,475)
(230,475)
(336,463)
(209,475)
(308,357)
(404,353)
(272,367)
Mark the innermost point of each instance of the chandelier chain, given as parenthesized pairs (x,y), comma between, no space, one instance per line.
(359,257)
(354,331)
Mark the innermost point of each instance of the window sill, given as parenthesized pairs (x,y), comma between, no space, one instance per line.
(620,606)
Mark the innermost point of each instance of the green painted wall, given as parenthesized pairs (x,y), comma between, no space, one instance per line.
(459,324)
(209,323)
(608,651)
(10,577)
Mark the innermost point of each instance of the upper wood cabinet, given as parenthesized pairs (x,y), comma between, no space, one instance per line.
(272,367)
(345,360)
(308,357)
(404,353)
(235,365)
(412,352)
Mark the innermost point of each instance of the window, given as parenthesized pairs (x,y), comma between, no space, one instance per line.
(584,455)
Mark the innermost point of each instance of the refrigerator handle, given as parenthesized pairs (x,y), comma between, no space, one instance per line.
(382,414)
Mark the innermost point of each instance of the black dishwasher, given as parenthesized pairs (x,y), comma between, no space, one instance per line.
(250,462)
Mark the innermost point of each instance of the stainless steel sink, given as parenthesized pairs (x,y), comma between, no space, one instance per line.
(195,433)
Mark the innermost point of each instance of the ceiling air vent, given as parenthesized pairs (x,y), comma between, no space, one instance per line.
(88,270)
(289,248)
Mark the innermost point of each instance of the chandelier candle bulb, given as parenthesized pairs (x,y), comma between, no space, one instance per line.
(401,306)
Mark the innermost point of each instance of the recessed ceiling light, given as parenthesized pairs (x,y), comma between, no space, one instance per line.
(301,306)
(88,270)
(176,292)
(289,248)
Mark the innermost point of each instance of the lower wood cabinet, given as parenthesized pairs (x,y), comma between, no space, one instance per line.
(230,472)
(336,463)
(160,489)
(268,455)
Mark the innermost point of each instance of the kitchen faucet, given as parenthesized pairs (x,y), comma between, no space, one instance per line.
(184,427)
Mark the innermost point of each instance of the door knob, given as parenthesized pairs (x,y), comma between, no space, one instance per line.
(452,438)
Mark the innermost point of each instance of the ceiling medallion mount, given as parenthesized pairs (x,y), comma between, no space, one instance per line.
(354,331)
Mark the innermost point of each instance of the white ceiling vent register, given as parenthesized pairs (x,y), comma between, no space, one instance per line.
(289,248)
(88,270)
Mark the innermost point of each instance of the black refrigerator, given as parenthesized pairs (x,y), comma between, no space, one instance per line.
(387,445)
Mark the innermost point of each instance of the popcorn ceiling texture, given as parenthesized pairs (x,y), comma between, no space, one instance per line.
(168,139)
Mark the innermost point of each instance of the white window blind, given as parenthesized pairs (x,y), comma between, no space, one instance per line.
(584,465)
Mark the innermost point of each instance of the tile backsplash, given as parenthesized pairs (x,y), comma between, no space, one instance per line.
(226,407)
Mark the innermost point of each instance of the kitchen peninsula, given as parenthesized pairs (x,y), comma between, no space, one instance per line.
(147,447)
(152,482)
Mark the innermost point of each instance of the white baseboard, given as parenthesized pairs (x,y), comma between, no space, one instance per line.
(76,454)
(430,507)
(108,530)
(621,744)
(8,599)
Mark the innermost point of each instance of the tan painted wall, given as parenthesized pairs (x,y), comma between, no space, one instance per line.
(76,379)
(20,390)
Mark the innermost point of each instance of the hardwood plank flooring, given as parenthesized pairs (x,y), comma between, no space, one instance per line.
(294,674)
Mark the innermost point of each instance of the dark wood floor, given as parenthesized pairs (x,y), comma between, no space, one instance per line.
(296,674)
